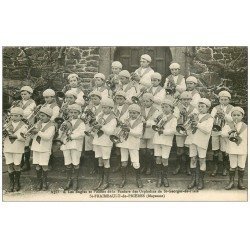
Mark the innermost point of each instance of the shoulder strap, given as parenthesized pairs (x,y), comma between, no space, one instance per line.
(48,125)
(137,122)
(124,109)
(151,112)
(30,101)
(19,125)
(179,79)
(52,105)
(229,107)
(77,124)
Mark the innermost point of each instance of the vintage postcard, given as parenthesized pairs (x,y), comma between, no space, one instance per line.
(158,123)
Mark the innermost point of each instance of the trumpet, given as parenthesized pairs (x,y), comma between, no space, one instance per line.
(7,130)
(66,128)
(160,123)
(87,116)
(219,122)
(59,120)
(35,113)
(28,132)
(93,129)
(121,134)
(136,99)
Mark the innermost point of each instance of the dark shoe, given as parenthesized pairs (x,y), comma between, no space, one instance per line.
(192,184)
(17,180)
(39,185)
(105,179)
(159,175)
(69,171)
(26,161)
(138,178)
(75,179)
(124,177)
(201,180)
(116,169)
(186,163)
(45,181)
(179,163)
(164,176)
(95,168)
(225,164)
(11,186)
(224,172)
(148,171)
(101,176)
(240,180)
(216,166)
(231,180)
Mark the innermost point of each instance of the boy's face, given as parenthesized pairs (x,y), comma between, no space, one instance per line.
(237,116)
(25,95)
(95,100)
(120,100)
(43,117)
(133,114)
(99,82)
(116,70)
(224,100)
(106,109)
(147,103)
(48,99)
(186,101)
(15,117)
(144,63)
(70,99)
(203,108)
(155,82)
(73,113)
(190,86)
(123,79)
(166,109)
(73,82)
(175,72)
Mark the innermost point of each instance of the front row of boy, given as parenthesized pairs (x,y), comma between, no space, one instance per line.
(139,122)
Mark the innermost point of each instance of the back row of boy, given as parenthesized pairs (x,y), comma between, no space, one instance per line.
(144,146)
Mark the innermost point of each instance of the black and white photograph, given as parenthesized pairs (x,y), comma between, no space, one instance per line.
(125,123)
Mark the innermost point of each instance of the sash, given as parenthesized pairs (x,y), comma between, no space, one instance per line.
(98,110)
(232,127)
(101,89)
(136,122)
(30,101)
(108,119)
(77,124)
(19,125)
(194,91)
(123,110)
(139,71)
(128,87)
(158,89)
(39,126)
(228,109)
(150,112)
(179,79)
(204,118)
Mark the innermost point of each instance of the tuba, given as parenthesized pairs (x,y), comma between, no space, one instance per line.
(233,136)
(121,134)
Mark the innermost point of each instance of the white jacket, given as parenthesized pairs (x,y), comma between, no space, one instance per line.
(145,76)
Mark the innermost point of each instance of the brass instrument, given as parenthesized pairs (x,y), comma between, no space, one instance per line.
(28,132)
(7,130)
(182,128)
(93,128)
(35,113)
(59,120)
(122,132)
(234,135)
(136,99)
(170,88)
(87,116)
(219,122)
(66,129)
(160,123)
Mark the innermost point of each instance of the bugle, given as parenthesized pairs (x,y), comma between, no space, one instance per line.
(121,134)
(160,123)
(93,128)
(136,99)
(219,122)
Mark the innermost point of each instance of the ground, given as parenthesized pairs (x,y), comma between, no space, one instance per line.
(214,187)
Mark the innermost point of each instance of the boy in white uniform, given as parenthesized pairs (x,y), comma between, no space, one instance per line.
(149,112)
(156,90)
(121,113)
(73,85)
(145,71)
(41,146)
(163,141)
(113,78)
(198,143)
(223,110)
(132,144)
(191,83)
(50,102)
(28,105)
(96,108)
(102,143)
(182,112)
(72,147)
(237,150)
(175,79)
(14,145)
(127,86)
(99,80)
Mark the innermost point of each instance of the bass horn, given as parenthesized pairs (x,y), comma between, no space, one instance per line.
(218,123)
